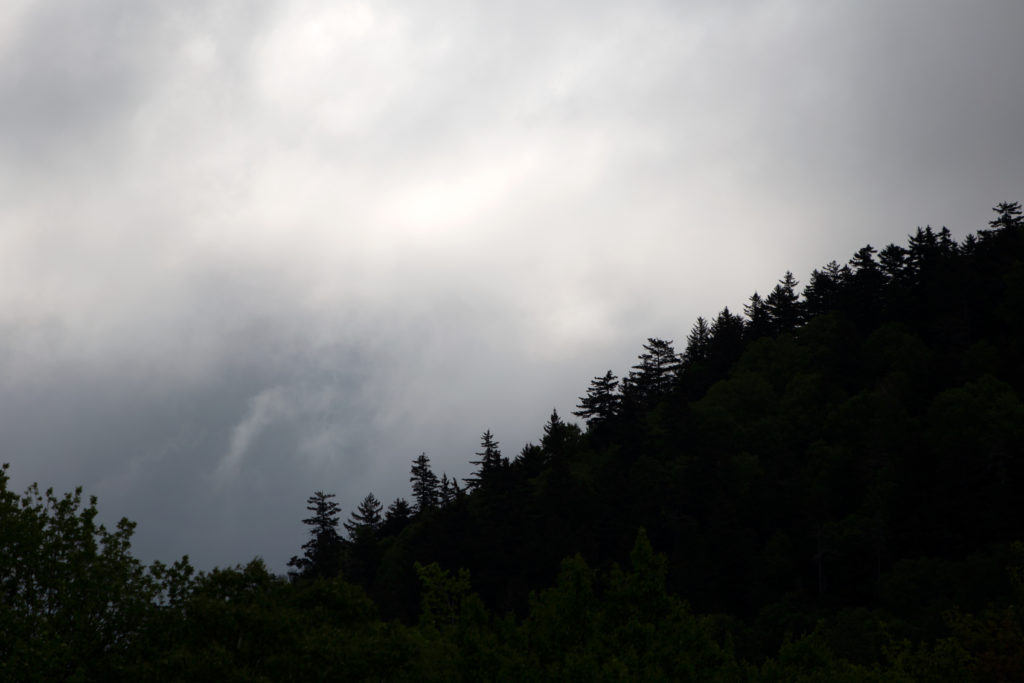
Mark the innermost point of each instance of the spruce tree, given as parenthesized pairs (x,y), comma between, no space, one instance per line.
(601,403)
(490,462)
(449,490)
(322,557)
(758,319)
(397,516)
(892,261)
(783,305)
(425,485)
(726,338)
(366,520)
(698,343)
(655,374)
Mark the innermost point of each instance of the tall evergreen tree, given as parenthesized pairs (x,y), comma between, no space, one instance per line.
(558,435)
(1009,218)
(489,463)
(397,516)
(698,343)
(655,374)
(366,520)
(322,557)
(892,262)
(601,403)
(758,319)
(726,338)
(425,485)
(449,490)
(865,285)
(824,289)
(783,305)
(922,253)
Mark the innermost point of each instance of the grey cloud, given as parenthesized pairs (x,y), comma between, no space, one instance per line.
(249,250)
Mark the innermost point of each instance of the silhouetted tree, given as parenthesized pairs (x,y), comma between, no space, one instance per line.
(425,485)
(489,463)
(726,338)
(824,289)
(1009,217)
(601,403)
(322,557)
(653,377)
(530,461)
(783,305)
(397,516)
(698,343)
(758,319)
(922,253)
(558,437)
(449,490)
(892,262)
(366,519)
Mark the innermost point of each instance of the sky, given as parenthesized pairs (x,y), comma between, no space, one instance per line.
(251,249)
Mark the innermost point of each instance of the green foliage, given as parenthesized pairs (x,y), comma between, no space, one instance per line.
(621,626)
(74,600)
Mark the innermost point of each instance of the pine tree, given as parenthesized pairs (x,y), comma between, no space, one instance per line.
(826,289)
(490,462)
(758,319)
(601,403)
(558,437)
(366,520)
(698,343)
(922,252)
(865,285)
(530,461)
(449,491)
(425,485)
(1009,218)
(892,262)
(323,550)
(726,338)
(655,374)
(783,305)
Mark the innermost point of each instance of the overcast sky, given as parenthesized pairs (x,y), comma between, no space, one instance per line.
(251,249)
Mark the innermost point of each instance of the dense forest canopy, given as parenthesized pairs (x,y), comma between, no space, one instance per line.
(826,487)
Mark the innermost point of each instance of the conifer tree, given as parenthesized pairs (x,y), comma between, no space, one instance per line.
(698,343)
(490,461)
(758,319)
(822,293)
(366,520)
(655,374)
(425,485)
(449,490)
(726,338)
(601,403)
(922,250)
(783,305)
(865,284)
(396,517)
(892,262)
(1009,217)
(322,557)
(558,436)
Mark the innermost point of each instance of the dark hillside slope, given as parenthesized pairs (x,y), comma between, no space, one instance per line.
(859,446)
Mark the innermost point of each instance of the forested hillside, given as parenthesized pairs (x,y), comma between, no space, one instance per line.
(824,487)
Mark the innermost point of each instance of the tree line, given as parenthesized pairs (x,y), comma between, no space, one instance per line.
(822,488)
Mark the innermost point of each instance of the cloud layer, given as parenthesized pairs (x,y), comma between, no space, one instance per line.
(253,249)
